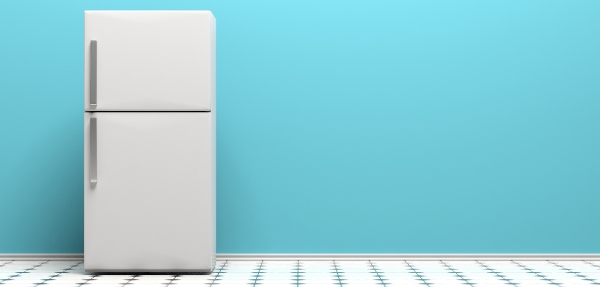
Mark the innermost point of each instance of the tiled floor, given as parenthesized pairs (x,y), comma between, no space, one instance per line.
(321,274)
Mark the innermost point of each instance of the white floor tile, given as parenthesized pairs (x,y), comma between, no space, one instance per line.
(101,285)
(191,281)
(322,285)
(319,281)
(23,281)
(363,285)
(192,284)
(320,274)
(60,285)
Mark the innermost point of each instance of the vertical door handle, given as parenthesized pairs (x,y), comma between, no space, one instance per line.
(93,151)
(93,71)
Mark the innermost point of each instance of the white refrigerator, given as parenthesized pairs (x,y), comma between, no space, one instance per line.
(149,141)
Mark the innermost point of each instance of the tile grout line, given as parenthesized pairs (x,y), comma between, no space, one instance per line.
(456,273)
(538,274)
(297,272)
(88,280)
(172,279)
(58,273)
(6,263)
(258,274)
(590,263)
(578,274)
(218,272)
(497,273)
(132,278)
(337,273)
(377,273)
(27,271)
(416,272)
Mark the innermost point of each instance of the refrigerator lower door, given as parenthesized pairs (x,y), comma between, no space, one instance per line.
(149,192)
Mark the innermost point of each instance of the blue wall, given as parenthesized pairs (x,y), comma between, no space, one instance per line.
(344,126)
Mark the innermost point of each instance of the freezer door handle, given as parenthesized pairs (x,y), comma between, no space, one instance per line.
(93,72)
(93,151)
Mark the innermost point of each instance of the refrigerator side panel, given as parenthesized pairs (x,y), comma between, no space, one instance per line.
(152,208)
(213,115)
(214,186)
(213,63)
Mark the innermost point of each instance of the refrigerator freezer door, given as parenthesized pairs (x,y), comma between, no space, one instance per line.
(149,60)
(152,207)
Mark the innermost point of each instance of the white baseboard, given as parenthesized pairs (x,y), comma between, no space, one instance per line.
(346,257)
(432,257)
(42,256)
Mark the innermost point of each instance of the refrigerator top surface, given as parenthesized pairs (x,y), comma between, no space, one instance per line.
(147,11)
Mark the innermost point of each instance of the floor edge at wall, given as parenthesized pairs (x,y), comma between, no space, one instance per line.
(284,257)
(465,256)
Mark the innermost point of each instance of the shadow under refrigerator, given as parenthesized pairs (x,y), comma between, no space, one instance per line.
(149,141)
